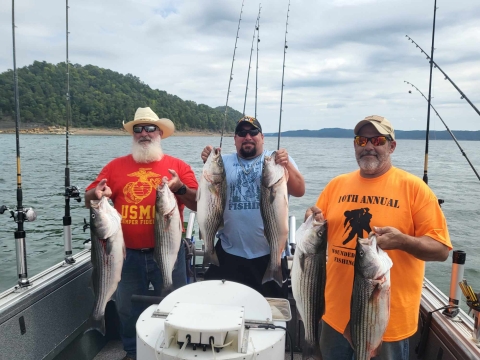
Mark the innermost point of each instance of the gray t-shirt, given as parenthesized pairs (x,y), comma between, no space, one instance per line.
(242,234)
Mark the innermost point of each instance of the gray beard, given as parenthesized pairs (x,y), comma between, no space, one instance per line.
(147,152)
(370,165)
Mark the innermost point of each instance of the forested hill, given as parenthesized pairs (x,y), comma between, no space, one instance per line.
(99,98)
(399,134)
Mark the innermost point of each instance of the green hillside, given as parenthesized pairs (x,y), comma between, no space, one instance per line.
(99,98)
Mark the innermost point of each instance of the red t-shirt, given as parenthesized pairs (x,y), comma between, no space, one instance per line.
(134,192)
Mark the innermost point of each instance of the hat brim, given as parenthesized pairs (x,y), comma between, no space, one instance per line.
(166,125)
(378,126)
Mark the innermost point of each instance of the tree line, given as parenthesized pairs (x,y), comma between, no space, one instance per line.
(98,98)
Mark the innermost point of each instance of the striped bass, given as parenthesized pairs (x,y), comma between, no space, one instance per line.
(211,198)
(274,210)
(108,253)
(370,303)
(308,280)
(168,233)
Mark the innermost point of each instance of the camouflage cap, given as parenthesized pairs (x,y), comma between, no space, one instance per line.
(251,120)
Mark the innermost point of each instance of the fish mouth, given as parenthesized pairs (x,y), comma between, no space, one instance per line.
(366,241)
(95,204)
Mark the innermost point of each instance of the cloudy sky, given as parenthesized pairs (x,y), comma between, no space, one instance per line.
(346,59)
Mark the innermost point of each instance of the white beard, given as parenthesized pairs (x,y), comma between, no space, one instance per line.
(145,152)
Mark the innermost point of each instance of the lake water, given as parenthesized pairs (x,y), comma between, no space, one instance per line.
(319,159)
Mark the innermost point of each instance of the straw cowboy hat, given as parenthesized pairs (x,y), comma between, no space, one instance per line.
(147,116)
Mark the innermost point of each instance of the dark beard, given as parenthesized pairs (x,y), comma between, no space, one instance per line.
(246,154)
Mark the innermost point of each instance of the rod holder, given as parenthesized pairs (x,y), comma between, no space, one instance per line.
(21,253)
(191,221)
(458,264)
(292,227)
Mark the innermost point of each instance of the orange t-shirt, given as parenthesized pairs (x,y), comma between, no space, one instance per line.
(134,192)
(352,206)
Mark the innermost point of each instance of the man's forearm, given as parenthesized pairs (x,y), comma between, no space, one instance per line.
(296,182)
(189,199)
(425,248)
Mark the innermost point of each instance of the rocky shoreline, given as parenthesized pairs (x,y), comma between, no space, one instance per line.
(60,130)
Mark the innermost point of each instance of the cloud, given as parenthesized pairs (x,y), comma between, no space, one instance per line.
(345,59)
(335,106)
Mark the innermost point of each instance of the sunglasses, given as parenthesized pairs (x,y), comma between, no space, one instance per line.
(251,132)
(137,129)
(375,140)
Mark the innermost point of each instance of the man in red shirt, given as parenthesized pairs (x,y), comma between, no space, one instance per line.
(131,182)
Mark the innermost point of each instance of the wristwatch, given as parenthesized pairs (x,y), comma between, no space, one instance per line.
(181,191)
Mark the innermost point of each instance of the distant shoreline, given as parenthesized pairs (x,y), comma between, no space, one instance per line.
(58,130)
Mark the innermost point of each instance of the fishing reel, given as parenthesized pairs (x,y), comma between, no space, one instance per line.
(72,192)
(86,225)
(24,214)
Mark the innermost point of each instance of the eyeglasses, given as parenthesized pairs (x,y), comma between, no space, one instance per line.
(137,129)
(375,140)
(251,132)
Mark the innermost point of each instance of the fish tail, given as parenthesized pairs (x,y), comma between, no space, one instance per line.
(311,351)
(96,324)
(167,289)
(273,274)
(211,258)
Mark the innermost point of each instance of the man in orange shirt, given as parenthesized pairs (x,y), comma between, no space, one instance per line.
(131,182)
(409,225)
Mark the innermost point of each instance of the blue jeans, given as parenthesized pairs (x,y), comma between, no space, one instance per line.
(139,270)
(334,346)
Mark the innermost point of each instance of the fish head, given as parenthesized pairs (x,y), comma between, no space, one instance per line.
(165,201)
(315,238)
(271,172)
(214,169)
(104,219)
(371,262)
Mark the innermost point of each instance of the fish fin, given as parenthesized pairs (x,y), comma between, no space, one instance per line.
(94,281)
(275,275)
(96,324)
(301,259)
(211,258)
(197,196)
(108,246)
(272,194)
(311,351)
(376,351)
(347,334)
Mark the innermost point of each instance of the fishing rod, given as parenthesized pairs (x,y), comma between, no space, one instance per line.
(463,96)
(427,133)
(283,76)
(256,73)
(19,214)
(71,192)
(250,61)
(451,134)
(231,74)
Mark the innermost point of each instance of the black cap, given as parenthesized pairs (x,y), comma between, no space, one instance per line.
(251,120)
